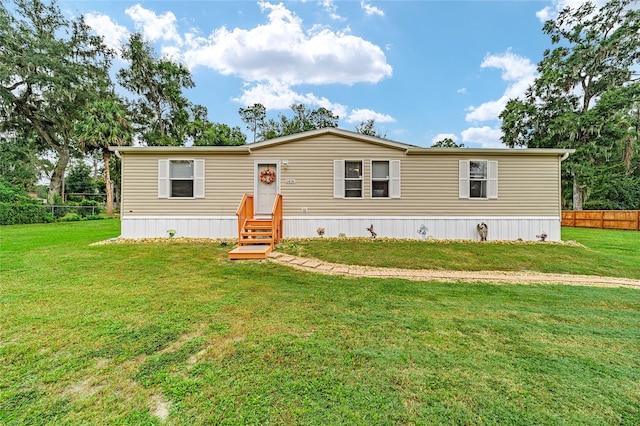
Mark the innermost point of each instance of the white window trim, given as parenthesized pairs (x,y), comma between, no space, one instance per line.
(393,178)
(464,179)
(339,179)
(164,178)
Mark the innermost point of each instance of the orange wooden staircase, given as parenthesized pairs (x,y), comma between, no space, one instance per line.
(257,237)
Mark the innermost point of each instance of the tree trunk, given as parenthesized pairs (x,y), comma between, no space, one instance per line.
(628,153)
(107,179)
(57,177)
(578,194)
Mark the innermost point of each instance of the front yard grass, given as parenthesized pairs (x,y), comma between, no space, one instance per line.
(605,253)
(175,333)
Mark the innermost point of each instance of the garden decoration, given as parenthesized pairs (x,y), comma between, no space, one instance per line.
(483,229)
(370,229)
(423,231)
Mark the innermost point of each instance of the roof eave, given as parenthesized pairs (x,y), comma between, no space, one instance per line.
(489,151)
(331,131)
(239,149)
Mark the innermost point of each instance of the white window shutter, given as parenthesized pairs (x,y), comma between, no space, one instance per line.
(338,179)
(198,178)
(394,184)
(492,179)
(163,178)
(463,175)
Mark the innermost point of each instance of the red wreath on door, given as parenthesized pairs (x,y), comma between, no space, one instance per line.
(267,176)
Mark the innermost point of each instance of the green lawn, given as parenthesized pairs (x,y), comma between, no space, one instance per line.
(607,253)
(131,334)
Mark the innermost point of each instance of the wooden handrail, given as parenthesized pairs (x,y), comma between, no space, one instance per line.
(244,212)
(276,218)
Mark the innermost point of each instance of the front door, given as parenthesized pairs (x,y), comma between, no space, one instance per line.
(267,183)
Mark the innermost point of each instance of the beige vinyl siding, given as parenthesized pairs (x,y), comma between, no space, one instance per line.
(225,177)
(528,185)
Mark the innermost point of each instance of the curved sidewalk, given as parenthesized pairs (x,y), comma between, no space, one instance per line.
(510,277)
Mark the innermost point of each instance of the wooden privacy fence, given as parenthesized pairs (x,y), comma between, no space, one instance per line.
(604,219)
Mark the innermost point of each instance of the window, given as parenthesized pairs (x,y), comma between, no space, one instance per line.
(347,179)
(384,179)
(353,179)
(380,179)
(478,179)
(180,178)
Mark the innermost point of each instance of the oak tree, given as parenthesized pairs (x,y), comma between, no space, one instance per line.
(162,114)
(595,52)
(50,68)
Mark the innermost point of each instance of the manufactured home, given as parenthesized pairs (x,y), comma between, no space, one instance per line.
(343,183)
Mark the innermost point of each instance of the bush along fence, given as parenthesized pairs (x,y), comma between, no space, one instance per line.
(25,213)
(604,219)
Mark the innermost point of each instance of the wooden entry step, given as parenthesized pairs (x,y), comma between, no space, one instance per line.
(249,252)
(256,232)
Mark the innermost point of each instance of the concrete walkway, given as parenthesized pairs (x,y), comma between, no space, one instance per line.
(505,277)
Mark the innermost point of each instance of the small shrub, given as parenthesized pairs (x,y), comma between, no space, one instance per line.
(61,211)
(89,208)
(70,217)
(11,194)
(23,213)
(94,217)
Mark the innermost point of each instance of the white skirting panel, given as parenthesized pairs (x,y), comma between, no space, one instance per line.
(454,228)
(185,226)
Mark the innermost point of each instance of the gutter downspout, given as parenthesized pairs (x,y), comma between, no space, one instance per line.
(562,158)
(119,155)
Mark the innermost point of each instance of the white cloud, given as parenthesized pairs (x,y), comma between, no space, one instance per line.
(513,67)
(516,69)
(275,95)
(330,7)
(114,35)
(545,14)
(441,136)
(280,51)
(360,115)
(486,136)
(154,27)
(551,12)
(272,58)
(462,91)
(370,10)
(171,52)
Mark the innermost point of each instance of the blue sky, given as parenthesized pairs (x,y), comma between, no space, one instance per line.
(424,70)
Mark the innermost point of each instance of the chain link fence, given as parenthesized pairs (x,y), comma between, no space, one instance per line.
(58,211)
